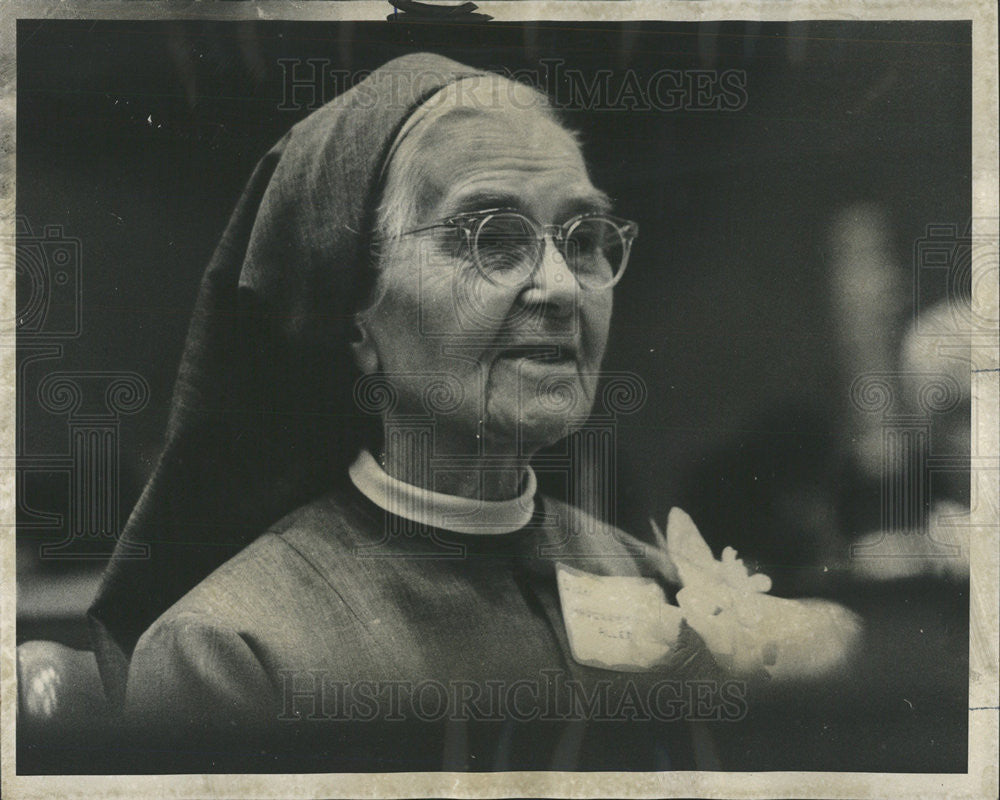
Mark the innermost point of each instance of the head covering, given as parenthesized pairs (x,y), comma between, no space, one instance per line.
(262,415)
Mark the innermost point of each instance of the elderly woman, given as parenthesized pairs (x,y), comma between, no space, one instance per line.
(428,252)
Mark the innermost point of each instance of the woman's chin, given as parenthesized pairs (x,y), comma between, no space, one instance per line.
(532,428)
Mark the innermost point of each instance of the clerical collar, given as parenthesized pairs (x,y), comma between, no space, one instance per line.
(445,511)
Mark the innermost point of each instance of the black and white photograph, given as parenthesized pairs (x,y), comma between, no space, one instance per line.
(425,399)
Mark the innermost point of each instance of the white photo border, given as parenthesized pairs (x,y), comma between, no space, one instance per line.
(981,780)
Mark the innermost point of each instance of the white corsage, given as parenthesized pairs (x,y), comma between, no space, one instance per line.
(746,629)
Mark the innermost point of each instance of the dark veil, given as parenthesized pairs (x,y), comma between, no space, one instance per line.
(262,417)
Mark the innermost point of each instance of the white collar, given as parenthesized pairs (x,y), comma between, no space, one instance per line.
(445,511)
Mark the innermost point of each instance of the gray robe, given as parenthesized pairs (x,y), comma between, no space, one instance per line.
(327,620)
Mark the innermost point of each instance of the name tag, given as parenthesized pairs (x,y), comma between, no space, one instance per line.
(620,623)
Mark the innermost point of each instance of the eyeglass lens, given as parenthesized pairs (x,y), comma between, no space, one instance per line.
(508,249)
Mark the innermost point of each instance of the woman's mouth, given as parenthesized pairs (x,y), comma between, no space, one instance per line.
(551,353)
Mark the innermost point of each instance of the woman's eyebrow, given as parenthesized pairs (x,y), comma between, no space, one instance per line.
(478,201)
(596,201)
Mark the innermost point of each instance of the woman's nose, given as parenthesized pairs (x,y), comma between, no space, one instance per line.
(553,283)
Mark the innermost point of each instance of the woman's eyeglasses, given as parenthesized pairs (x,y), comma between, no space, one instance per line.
(506,246)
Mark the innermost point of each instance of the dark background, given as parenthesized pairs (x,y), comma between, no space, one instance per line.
(137,137)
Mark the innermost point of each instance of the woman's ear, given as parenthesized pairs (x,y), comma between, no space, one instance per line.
(363,347)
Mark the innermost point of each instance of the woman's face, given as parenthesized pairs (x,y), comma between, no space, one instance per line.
(437,319)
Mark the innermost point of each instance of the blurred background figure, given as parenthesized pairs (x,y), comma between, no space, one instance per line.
(870,301)
(871,483)
(934,370)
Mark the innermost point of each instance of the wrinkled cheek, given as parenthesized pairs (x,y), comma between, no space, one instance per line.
(588,390)
(595,322)
(477,307)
